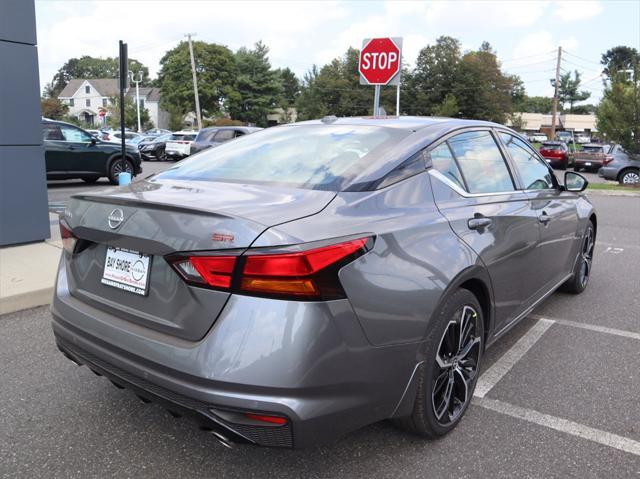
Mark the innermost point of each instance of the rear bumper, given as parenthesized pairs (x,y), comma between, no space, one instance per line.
(309,362)
(593,165)
(608,173)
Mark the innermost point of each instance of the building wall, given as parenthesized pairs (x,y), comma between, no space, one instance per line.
(23,188)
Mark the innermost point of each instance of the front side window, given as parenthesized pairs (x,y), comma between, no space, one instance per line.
(535,175)
(319,157)
(74,134)
(443,161)
(481,162)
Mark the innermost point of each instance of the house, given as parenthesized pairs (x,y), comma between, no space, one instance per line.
(540,122)
(89,99)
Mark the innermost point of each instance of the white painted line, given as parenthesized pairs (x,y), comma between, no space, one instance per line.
(563,425)
(591,327)
(502,366)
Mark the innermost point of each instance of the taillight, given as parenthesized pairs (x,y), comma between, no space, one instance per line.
(607,159)
(306,275)
(69,240)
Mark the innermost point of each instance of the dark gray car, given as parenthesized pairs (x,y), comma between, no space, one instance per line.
(309,279)
(623,168)
(214,136)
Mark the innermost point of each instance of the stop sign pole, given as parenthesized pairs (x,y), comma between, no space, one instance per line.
(380,64)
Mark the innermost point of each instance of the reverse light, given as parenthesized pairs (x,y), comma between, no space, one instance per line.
(69,240)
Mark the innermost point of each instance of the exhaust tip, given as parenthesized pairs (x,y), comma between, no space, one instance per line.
(223,440)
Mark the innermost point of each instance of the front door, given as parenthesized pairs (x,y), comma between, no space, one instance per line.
(474,190)
(83,153)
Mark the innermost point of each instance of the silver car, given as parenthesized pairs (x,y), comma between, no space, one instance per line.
(306,280)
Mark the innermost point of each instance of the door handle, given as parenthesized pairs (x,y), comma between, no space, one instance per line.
(478,222)
(544,218)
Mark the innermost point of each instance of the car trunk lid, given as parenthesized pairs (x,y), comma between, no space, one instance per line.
(159,218)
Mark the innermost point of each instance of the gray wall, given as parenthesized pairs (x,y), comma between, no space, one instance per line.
(23,186)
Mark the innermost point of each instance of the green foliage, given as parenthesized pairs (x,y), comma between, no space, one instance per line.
(534,104)
(216,70)
(257,87)
(130,114)
(53,108)
(618,114)
(618,59)
(448,108)
(92,67)
(221,122)
(516,120)
(568,91)
(290,87)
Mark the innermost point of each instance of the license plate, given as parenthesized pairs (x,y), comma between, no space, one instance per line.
(588,163)
(127,270)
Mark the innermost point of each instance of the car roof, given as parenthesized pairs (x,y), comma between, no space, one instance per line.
(184,132)
(409,123)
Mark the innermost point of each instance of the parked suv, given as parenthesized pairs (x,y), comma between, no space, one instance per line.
(214,136)
(179,145)
(556,153)
(623,168)
(71,152)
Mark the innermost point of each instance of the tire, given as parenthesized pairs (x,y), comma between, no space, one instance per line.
(160,154)
(90,179)
(582,270)
(629,177)
(432,416)
(115,167)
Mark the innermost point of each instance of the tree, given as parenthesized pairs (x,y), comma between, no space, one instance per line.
(290,86)
(618,115)
(568,90)
(130,114)
(216,70)
(53,108)
(618,59)
(257,87)
(534,104)
(92,67)
(448,108)
(310,103)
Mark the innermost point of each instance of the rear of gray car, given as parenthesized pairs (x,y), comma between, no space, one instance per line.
(283,290)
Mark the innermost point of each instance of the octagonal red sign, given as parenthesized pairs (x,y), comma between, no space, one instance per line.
(379,61)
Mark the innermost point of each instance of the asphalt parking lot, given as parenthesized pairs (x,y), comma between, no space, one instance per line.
(557,398)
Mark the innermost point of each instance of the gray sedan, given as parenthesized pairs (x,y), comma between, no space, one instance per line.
(624,168)
(303,281)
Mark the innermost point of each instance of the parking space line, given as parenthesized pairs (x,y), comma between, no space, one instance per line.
(502,366)
(563,425)
(591,327)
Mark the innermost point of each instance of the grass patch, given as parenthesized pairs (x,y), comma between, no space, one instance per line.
(613,186)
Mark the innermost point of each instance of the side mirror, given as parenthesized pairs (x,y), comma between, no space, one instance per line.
(575,182)
(93,141)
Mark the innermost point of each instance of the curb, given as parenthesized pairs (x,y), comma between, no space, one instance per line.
(28,300)
(612,192)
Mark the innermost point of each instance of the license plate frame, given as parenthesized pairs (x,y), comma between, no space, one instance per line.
(587,163)
(127,270)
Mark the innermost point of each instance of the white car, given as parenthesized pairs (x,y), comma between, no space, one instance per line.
(538,138)
(583,139)
(115,136)
(179,145)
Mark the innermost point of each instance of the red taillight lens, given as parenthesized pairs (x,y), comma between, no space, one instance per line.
(276,420)
(68,238)
(607,159)
(307,275)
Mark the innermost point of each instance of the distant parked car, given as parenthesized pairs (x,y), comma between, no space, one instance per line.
(179,145)
(592,157)
(157,131)
(556,153)
(623,168)
(114,136)
(538,138)
(154,149)
(583,139)
(71,152)
(213,136)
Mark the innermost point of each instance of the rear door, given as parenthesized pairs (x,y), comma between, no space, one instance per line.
(555,209)
(475,191)
(56,151)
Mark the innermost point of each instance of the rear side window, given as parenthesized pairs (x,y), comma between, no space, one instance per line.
(205,135)
(443,161)
(481,162)
(52,132)
(224,135)
(534,174)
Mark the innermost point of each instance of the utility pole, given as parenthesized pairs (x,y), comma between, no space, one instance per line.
(195,80)
(137,82)
(556,84)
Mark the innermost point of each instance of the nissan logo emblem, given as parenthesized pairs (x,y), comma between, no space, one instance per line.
(115,218)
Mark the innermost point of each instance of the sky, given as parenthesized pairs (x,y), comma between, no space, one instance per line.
(525,34)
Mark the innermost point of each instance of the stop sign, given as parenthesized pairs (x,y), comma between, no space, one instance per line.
(379,61)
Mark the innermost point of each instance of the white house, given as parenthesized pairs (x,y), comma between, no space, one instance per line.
(89,100)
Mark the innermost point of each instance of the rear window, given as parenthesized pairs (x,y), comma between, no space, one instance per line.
(181,137)
(319,157)
(551,146)
(593,149)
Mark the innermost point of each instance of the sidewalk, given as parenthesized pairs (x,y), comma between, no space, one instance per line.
(28,273)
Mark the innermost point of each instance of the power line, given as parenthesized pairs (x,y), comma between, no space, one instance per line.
(582,58)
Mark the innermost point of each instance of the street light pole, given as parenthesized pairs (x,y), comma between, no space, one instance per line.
(137,82)
(195,81)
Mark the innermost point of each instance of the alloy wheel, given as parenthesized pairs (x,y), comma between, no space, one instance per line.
(586,257)
(456,366)
(117,167)
(631,178)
